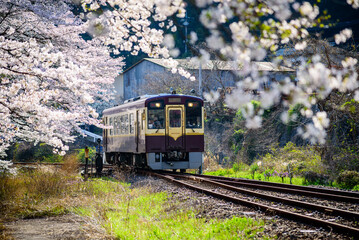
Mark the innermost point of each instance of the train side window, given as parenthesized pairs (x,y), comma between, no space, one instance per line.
(126,125)
(132,124)
(122,124)
(193,114)
(115,123)
(110,124)
(118,125)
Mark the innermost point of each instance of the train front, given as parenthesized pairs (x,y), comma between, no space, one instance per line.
(174,132)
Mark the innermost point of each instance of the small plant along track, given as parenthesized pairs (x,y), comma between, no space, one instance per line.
(264,202)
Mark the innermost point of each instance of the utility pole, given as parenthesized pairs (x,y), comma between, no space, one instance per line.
(200,79)
(185,24)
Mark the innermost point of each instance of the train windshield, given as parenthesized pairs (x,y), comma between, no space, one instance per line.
(156,115)
(175,118)
(193,114)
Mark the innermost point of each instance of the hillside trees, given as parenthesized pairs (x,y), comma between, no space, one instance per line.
(48,73)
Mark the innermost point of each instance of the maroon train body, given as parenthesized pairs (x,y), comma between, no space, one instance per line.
(160,132)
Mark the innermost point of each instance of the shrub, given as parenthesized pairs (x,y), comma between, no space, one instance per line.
(254,167)
(240,166)
(311,177)
(348,179)
(292,159)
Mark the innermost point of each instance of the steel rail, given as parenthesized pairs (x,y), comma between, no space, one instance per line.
(283,213)
(294,191)
(339,195)
(311,206)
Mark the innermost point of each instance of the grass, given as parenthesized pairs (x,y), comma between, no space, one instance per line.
(229,172)
(142,214)
(125,212)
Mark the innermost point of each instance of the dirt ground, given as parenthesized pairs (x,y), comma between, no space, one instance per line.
(68,227)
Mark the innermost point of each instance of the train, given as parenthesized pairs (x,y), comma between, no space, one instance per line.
(158,132)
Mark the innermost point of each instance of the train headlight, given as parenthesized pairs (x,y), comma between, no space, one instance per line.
(158,105)
(157,156)
(190,104)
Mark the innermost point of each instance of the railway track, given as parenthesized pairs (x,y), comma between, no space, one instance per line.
(237,191)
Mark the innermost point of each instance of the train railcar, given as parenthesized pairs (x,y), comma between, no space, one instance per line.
(159,132)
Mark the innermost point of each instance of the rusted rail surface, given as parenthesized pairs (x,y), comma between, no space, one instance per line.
(268,209)
(329,194)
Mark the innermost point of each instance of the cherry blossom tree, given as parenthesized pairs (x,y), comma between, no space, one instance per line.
(243,31)
(49,75)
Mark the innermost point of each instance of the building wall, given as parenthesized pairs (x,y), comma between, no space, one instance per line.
(130,83)
(119,89)
(134,78)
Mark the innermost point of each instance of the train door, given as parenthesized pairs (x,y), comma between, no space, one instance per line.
(138,129)
(175,127)
(105,135)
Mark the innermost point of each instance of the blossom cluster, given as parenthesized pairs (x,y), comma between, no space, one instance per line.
(49,75)
(6,168)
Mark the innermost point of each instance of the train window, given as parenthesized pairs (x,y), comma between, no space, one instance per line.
(121,125)
(110,124)
(132,124)
(156,115)
(193,114)
(118,127)
(175,118)
(115,126)
(126,125)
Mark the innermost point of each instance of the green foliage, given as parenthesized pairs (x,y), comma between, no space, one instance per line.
(350,106)
(221,172)
(81,154)
(348,179)
(45,153)
(314,178)
(239,166)
(345,158)
(23,152)
(293,159)
(297,180)
(254,168)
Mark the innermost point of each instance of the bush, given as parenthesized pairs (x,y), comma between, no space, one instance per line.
(311,177)
(348,179)
(296,160)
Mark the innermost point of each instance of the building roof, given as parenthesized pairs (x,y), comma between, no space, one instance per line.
(214,65)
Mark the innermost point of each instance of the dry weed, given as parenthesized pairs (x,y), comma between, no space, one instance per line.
(4,235)
(71,164)
(210,162)
(123,173)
